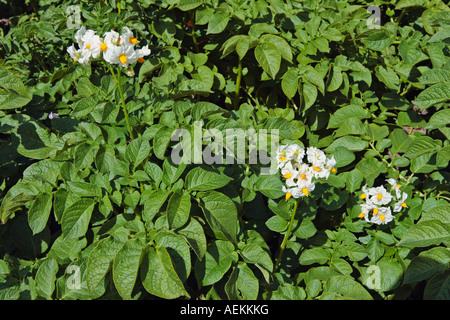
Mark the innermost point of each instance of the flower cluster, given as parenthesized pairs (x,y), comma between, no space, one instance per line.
(115,48)
(300,175)
(382,202)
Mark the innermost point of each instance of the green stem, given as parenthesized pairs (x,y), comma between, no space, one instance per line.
(238,79)
(194,38)
(124,107)
(286,237)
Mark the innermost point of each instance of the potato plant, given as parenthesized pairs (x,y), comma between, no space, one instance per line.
(117,179)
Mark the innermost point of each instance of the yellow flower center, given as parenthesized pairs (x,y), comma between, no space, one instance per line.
(123,58)
(288,175)
(363,196)
(103,47)
(382,217)
(74,60)
(133,40)
(141,60)
(282,159)
(361,215)
(333,170)
(305,191)
(288,195)
(398,186)
(88,46)
(316,168)
(379,196)
(404,205)
(375,211)
(303,176)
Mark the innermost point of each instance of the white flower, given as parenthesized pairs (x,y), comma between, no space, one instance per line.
(295,152)
(282,158)
(365,209)
(123,56)
(79,55)
(395,186)
(91,43)
(289,173)
(316,156)
(379,196)
(295,192)
(141,53)
(305,175)
(401,203)
(52,115)
(324,171)
(382,215)
(127,38)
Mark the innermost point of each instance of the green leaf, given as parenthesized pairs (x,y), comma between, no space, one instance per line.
(161,142)
(400,141)
(346,288)
(270,186)
(159,276)
(336,79)
(194,235)
(309,94)
(76,218)
(216,262)
(426,233)
(427,264)
(36,141)
(343,114)
(353,180)
(217,23)
(178,251)
(350,142)
(435,94)
(420,146)
(13,93)
(204,179)
(178,209)
(39,212)
(46,278)
(101,257)
(16,197)
(433,76)
(268,57)
(276,224)
(315,255)
(84,155)
(137,151)
(257,255)
(153,201)
(388,77)
(439,119)
(282,45)
(371,168)
(289,83)
(186,5)
(438,288)
(379,40)
(126,265)
(242,284)
(221,214)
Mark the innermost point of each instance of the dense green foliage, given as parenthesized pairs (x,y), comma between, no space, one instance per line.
(80,199)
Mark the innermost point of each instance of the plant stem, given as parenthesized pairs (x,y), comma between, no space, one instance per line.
(286,236)
(124,107)
(194,38)
(238,78)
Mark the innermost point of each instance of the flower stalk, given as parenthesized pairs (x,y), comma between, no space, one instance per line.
(286,236)
(122,97)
